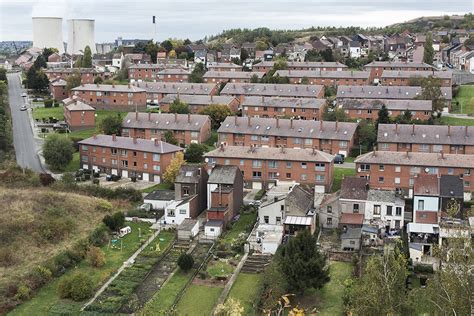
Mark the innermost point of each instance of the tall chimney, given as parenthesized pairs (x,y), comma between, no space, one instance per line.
(241,99)
(408,154)
(176,117)
(277,122)
(114,137)
(413,130)
(291,122)
(248,121)
(442,154)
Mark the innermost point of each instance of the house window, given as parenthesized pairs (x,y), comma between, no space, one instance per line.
(156,157)
(343,144)
(467,184)
(85,158)
(113,151)
(134,154)
(320,166)
(397,180)
(185,191)
(123,152)
(304,177)
(266,219)
(398,211)
(365,167)
(304,165)
(85,148)
(355,208)
(398,169)
(256,164)
(278,220)
(352,242)
(381,179)
(272,164)
(194,135)
(170,213)
(319,178)
(156,168)
(182,211)
(384,146)
(389,210)
(381,167)
(329,221)
(288,175)
(467,172)
(437,148)
(226,162)
(241,162)
(288,164)
(451,171)
(145,166)
(273,175)
(421,205)
(256,174)
(329,209)
(377,209)
(125,163)
(308,141)
(424,147)
(297,141)
(254,137)
(114,162)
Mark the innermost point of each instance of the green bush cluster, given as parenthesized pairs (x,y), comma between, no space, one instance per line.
(78,287)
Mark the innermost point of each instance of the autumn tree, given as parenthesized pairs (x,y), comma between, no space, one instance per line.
(173,168)
(217,113)
(231,307)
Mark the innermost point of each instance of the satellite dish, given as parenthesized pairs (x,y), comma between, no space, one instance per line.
(427,170)
(206,159)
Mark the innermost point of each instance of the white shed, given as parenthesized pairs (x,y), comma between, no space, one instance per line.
(213,229)
(188,229)
(159,199)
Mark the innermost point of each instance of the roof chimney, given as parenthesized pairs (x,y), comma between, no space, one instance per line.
(212,98)
(291,122)
(320,125)
(95,136)
(277,122)
(134,140)
(189,118)
(465,133)
(413,130)
(282,149)
(136,115)
(176,117)
(449,130)
(149,116)
(221,147)
(374,153)
(236,123)
(156,141)
(249,123)
(408,154)
(114,137)
(442,154)
(314,151)
(337,126)
(396,128)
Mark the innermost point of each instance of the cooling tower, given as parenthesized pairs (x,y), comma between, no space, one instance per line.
(48,32)
(81,33)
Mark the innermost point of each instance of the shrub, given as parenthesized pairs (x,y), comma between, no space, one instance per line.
(7,257)
(115,221)
(39,277)
(48,103)
(100,236)
(77,287)
(46,179)
(96,257)
(185,262)
(23,292)
(55,229)
(58,151)
(104,206)
(423,268)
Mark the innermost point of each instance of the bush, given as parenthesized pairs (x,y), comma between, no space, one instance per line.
(423,268)
(48,103)
(100,236)
(115,221)
(55,229)
(46,179)
(23,292)
(77,287)
(185,262)
(95,256)
(57,151)
(39,277)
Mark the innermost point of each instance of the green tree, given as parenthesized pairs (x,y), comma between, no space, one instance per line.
(313,55)
(115,221)
(40,62)
(170,139)
(95,256)
(304,80)
(302,264)
(335,114)
(327,55)
(3,74)
(236,60)
(217,113)
(48,52)
(179,107)
(431,90)
(78,286)
(185,262)
(244,54)
(197,74)
(98,80)
(111,124)
(57,151)
(254,79)
(428,53)
(152,50)
(384,116)
(78,62)
(195,152)
(87,58)
(261,45)
(167,45)
(173,168)
(367,134)
(405,117)
(73,81)
(383,274)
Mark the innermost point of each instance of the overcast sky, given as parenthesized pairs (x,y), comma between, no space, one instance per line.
(196,18)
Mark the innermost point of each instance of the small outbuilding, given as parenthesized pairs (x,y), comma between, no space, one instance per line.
(188,229)
(350,239)
(213,229)
(159,199)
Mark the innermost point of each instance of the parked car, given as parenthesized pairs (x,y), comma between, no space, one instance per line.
(24,95)
(23,108)
(339,159)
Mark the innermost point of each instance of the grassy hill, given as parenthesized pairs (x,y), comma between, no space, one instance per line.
(37,224)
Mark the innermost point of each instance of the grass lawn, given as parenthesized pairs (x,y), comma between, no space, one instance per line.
(465,97)
(198,300)
(74,164)
(162,301)
(160,186)
(42,112)
(219,268)
(329,298)
(456,121)
(245,290)
(245,220)
(338,174)
(47,298)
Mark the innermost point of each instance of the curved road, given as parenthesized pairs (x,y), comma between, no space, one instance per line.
(26,147)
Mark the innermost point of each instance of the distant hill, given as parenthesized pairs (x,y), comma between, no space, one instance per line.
(275,37)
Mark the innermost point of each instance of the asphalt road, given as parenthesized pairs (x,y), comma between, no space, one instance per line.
(26,147)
